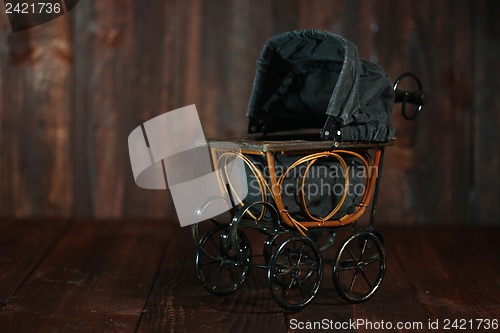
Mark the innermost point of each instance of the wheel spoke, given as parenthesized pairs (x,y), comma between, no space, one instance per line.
(373,260)
(300,288)
(347,265)
(314,265)
(352,283)
(210,262)
(218,276)
(288,289)
(221,274)
(363,250)
(301,253)
(288,255)
(370,252)
(366,279)
(350,254)
(295,282)
(281,271)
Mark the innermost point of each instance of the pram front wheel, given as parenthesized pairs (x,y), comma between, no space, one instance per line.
(359,267)
(294,272)
(219,268)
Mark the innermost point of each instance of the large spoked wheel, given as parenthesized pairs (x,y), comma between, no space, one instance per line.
(218,266)
(359,267)
(294,273)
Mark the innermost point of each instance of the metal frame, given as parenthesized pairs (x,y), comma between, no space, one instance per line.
(289,252)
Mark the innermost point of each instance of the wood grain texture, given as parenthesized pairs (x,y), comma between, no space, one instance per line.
(96,278)
(442,282)
(23,246)
(73,89)
(139,276)
(486,112)
(177,303)
(35,167)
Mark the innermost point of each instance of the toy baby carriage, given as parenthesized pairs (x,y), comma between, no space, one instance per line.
(304,188)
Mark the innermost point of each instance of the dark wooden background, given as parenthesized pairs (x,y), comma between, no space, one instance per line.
(73,89)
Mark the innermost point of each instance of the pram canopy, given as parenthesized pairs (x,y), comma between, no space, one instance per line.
(315,79)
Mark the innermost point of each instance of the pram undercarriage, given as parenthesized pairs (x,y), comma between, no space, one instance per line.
(292,249)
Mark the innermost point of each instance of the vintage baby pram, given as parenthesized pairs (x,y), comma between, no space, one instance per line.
(305,187)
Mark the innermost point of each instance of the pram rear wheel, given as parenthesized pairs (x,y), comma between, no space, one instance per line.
(359,267)
(294,272)
(217,264)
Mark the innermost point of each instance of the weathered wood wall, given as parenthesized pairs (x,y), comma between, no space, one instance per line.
(73,89)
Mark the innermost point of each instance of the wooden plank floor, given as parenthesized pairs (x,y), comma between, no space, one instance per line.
(126,276)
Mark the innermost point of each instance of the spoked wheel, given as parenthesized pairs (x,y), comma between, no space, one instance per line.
(359,267)
(218,267)
(294,272)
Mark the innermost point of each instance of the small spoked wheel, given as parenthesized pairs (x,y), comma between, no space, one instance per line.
(218,266)
(359,267)
(294,272)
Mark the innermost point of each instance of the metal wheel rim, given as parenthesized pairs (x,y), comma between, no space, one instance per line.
(225,266)
(356,264)
(290,269)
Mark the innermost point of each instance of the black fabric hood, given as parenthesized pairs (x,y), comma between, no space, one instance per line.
(304,77)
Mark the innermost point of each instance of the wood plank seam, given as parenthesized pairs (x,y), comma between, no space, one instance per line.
(49,250)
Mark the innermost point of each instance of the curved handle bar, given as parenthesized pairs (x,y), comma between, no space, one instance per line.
(418,97)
